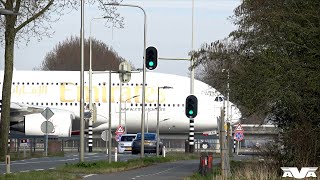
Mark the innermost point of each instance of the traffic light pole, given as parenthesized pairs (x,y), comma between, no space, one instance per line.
(191,124)
(144,70)
(191,136)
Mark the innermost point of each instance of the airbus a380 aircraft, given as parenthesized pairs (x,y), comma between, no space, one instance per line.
(33,91)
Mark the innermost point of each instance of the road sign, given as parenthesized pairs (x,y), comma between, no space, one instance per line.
(104,135)
(125,72)
(120,130)
(238,136)
(47,113)
(238,128)
(47,127)
(24,142)
(205,145)
(118,137)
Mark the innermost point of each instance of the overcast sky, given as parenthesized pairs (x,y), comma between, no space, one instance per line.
(168,29)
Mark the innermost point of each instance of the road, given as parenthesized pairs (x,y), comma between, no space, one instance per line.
(46,163)
(163,171)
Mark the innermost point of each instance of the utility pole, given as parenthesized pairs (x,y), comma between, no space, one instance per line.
(224,153)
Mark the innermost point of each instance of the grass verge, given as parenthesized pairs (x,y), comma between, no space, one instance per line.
(246,170)
(73,171)
(14,156)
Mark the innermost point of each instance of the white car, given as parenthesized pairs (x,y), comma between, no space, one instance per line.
(125,143)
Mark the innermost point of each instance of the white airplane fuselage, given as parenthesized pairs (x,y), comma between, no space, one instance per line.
(60,90)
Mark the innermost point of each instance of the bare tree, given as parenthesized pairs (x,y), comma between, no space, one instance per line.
(65,56)
(34,21)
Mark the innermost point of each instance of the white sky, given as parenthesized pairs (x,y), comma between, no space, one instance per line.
(168,29)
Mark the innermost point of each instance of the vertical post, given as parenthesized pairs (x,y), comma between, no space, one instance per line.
(164,151)
(120,100)
(125,117)
(109,124)
(46,138)
(8,164)
(115,154)
(229,137)
(158,135)
(191,136)
(191,120)
(90,92)
(24,152)
(238,148)
(225,165)
(82,85)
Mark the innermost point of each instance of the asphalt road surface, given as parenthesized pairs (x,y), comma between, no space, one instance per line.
(162,171)
(45,163)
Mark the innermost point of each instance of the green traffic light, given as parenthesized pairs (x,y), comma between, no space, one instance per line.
(190,112)
(151,63)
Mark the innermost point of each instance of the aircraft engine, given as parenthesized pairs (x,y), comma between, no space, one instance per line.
(62,124)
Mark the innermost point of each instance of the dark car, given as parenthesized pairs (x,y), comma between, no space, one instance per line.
(150,143)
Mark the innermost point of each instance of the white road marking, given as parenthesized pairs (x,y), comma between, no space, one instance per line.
(25,171)
(159,172)
(88,175)
(39,169)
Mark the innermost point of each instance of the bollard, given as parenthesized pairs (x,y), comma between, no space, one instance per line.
(8,164)
(115,154)
(164,151)
(210,159)
(203,164)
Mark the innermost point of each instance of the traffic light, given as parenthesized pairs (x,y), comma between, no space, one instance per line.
(151,58)
(191,106)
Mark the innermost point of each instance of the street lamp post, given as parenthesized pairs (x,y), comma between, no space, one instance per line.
(164,87)
(125,112)
(144,70)
(90,82)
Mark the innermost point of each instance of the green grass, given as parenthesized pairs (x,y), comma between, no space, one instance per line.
(39,175)
(102,167)
(70,171)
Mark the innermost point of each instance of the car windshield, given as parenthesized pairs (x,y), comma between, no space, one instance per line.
(127,138)
(147,136)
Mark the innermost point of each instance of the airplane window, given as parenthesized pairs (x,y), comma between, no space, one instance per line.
(70,104)
(136,104)
(51,104)
(41,83)
(118,84)
(94,103)
(137,84)
(13,83)
(27,83)
(140,104)
(182,105)
(57,83)
(178,105)
(23,83)
(112,84)
(131,104)
(32,103)
(56,104)
(220,98)
(164,105)
(37,83)
(52,83)
(173,105)
(36,103)
(104,83)
(85,104)
(216,99)
(76,104)
(76,83)
(66,104)
(41,104)
(66,83)
(99,84)
(122,84)
(131,84)
(159,105)
(47,83)
(99,104)
(47,104)
(61,104)
(155,104)
(169,105)
(32,83)
(61,83)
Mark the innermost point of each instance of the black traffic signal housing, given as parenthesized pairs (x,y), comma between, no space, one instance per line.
(151,58)
(191,106)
